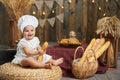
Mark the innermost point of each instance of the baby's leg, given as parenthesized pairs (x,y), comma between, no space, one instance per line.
(30,62)
(56,62)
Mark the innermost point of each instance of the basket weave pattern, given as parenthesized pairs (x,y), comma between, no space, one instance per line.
(9,71)
(84,69)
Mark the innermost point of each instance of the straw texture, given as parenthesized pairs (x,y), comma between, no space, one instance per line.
(17,8)
(109,25)
(9,71)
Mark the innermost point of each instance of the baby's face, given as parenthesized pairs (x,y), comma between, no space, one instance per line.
(29,32)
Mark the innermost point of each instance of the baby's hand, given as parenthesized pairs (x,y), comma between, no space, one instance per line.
(41,51)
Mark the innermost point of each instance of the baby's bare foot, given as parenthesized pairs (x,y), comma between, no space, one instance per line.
(48,66)
(58,61)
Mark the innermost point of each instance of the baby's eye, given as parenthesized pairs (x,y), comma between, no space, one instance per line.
(26,30)
(32,30)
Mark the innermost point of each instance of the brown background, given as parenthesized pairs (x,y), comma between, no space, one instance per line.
(80,16)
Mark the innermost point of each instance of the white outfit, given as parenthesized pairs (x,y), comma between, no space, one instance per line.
(31,44)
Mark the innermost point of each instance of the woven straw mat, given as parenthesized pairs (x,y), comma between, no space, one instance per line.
(9,71)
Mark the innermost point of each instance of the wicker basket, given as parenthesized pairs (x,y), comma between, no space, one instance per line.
(85,69)
(9,71)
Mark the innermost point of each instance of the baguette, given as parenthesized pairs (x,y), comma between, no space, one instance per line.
(40,58)
(92,48)
(44,46)
(99,43)
(83,58)
(95,44)
(100,51)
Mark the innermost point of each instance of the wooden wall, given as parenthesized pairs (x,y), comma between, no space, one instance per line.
(75,18)
(3,26)
(98,9)
(79,15)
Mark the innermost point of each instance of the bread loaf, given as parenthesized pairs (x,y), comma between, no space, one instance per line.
(44,46)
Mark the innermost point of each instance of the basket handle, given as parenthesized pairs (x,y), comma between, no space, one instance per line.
(93,54)
(77,50)
(88,61)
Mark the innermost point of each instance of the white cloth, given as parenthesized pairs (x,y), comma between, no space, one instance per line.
(27,20)
(31,44)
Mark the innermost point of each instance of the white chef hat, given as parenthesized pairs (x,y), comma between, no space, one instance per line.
(27,20)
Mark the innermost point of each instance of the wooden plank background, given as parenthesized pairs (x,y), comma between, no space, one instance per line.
(79,15)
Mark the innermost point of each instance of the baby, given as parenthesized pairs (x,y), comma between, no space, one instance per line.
(28,48)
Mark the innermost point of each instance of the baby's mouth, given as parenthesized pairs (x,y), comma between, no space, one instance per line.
(29,35)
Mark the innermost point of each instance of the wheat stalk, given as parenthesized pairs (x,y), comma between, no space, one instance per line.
(17,8)
(109,25)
